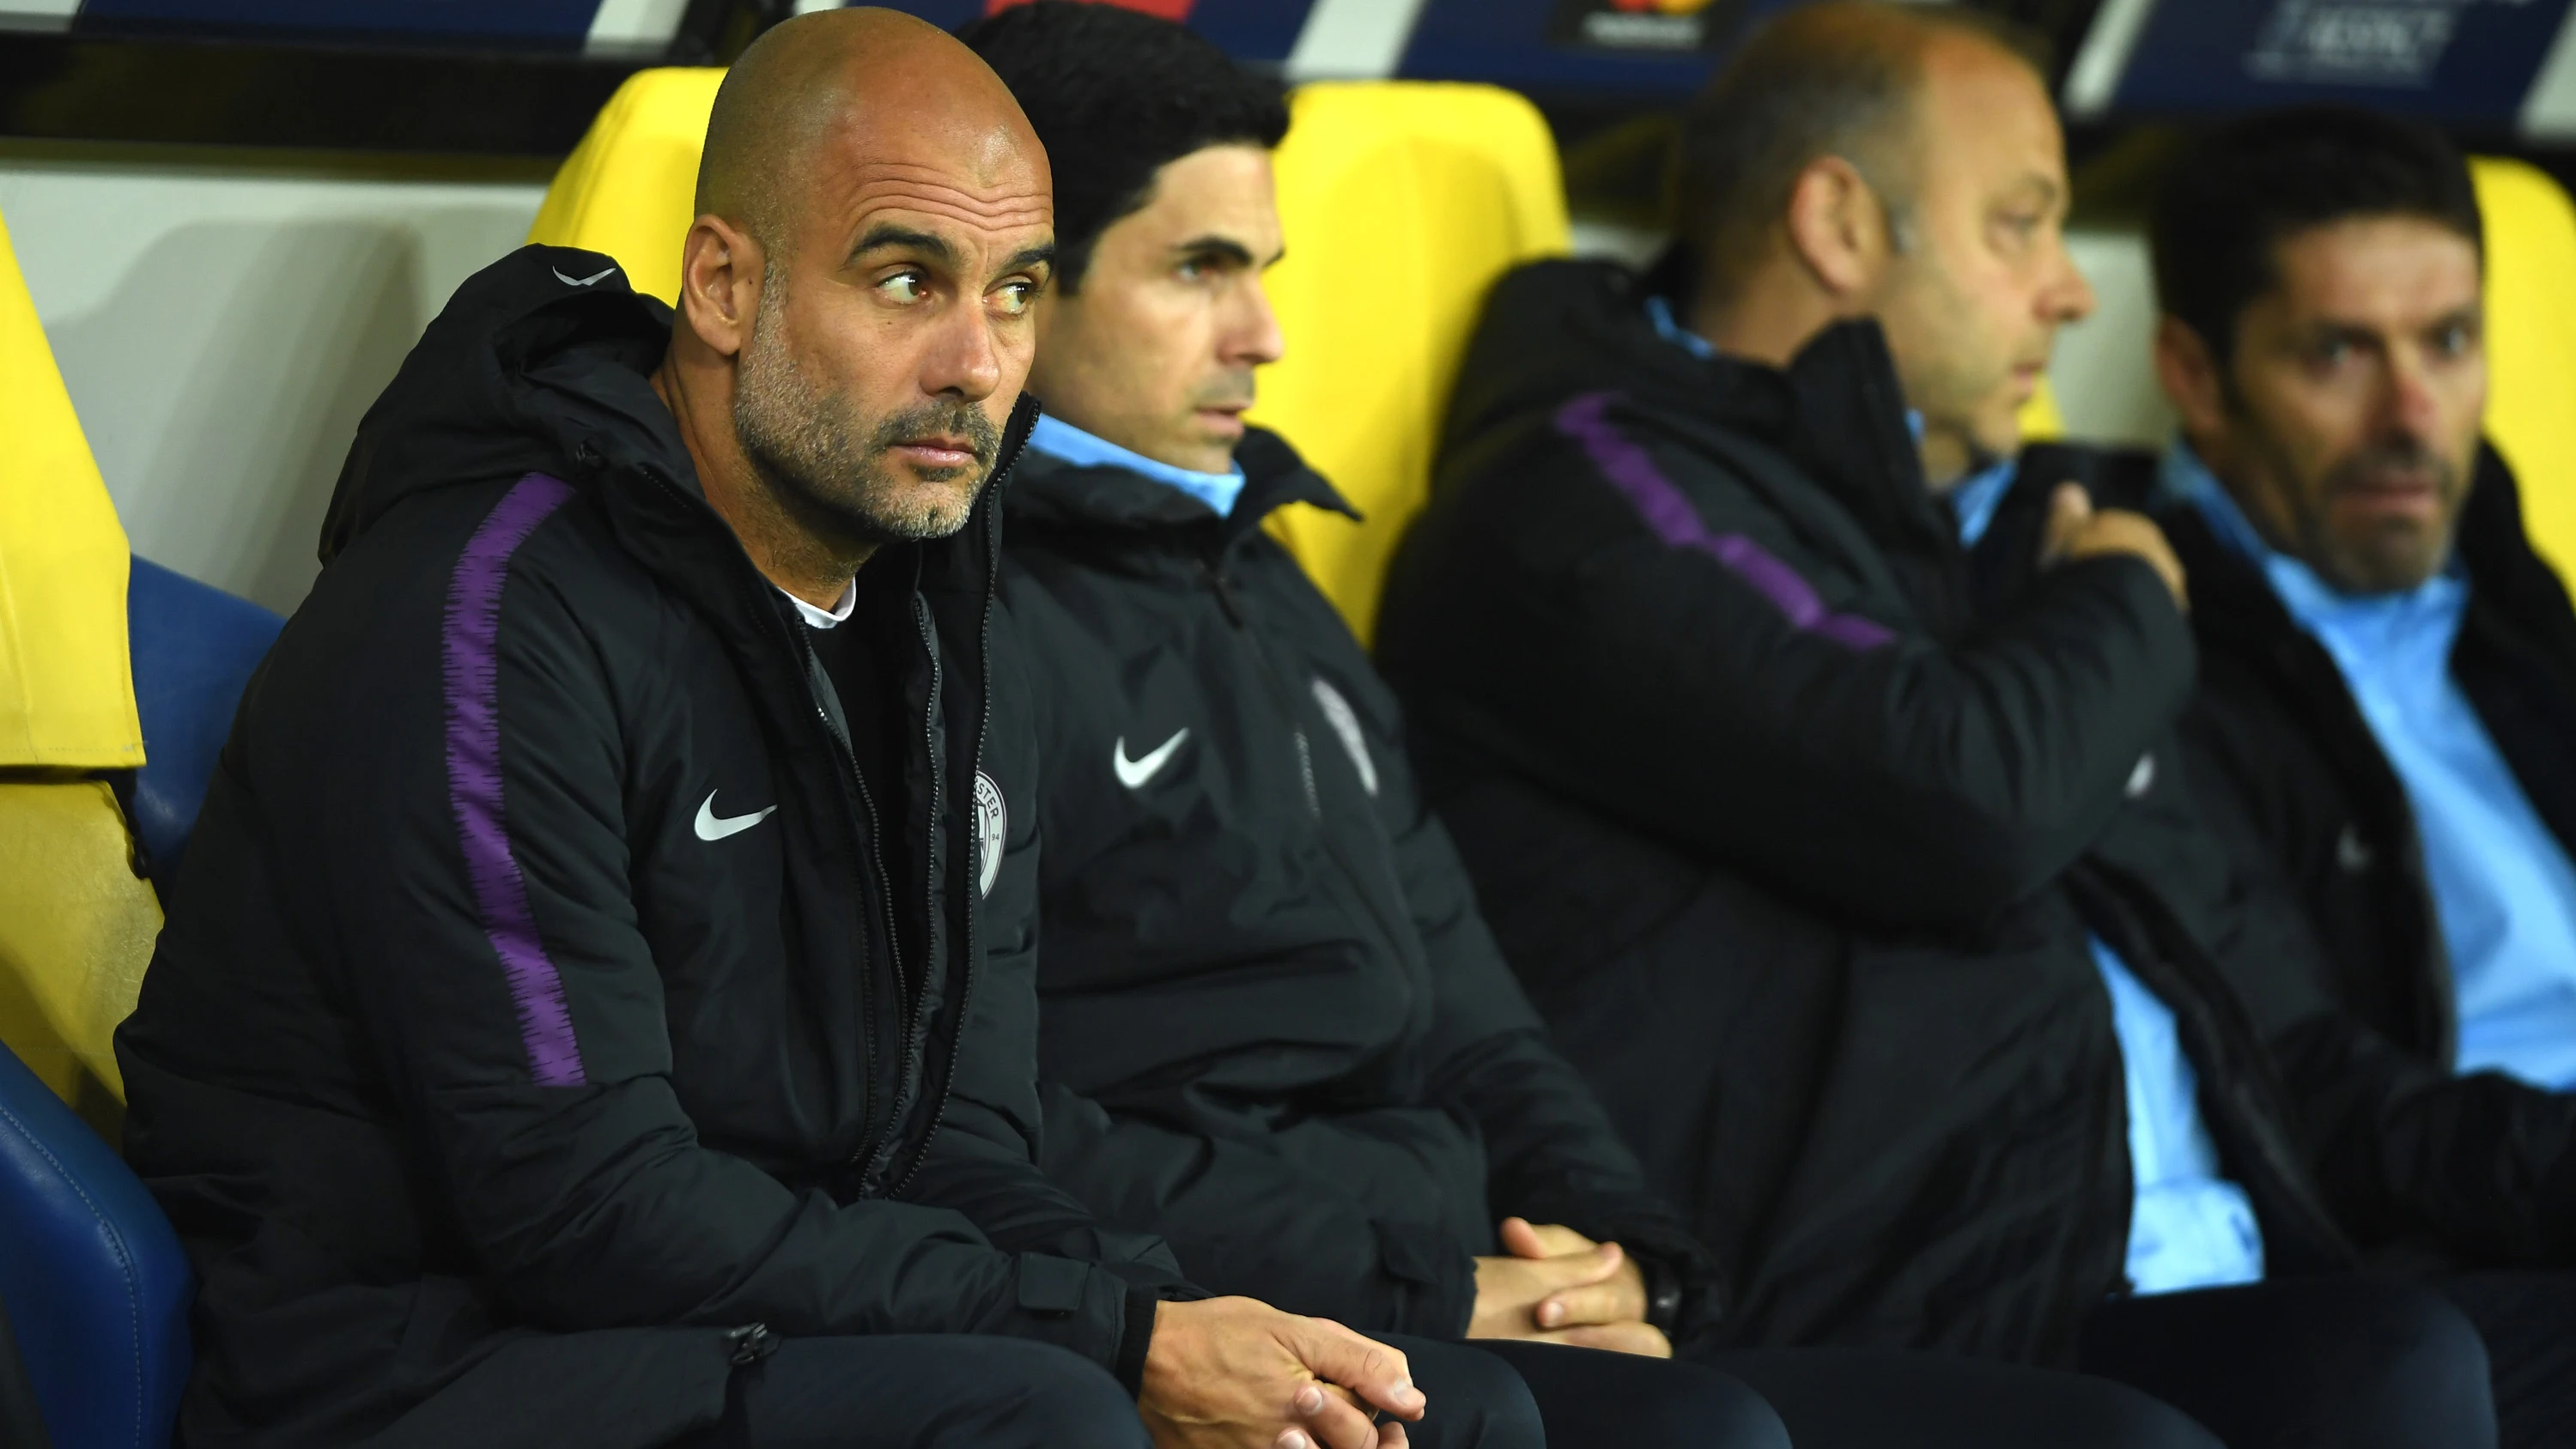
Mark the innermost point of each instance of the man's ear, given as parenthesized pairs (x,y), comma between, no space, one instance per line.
(720,272)
(1837,227)
(2189,373)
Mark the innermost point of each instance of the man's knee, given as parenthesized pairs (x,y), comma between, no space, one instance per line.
(1477,1401)
(1035,1394)
(2411,1355)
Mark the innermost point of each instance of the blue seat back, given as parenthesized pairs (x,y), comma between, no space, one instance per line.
(194,648)
(97,1285)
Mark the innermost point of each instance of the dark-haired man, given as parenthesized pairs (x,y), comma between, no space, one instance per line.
(597,1008)
(2386,724)
(1276,1030)
(1861,883)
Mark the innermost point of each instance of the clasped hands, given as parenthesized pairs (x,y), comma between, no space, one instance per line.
(1557,1286)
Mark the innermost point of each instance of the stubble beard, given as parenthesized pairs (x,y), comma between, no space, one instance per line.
(832,469)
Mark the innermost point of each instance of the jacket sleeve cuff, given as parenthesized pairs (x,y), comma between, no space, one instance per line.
(1436,1279)
(1136,1339)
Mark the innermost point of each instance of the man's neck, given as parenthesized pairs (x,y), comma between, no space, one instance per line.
(1766,317)
(1771,317)
(787,550)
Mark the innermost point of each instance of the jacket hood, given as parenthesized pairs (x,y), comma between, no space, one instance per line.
(540,363)
(1049,493)
(1558,330)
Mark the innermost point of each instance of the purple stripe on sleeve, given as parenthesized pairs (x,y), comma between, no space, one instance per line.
(473,685)
(1631,470)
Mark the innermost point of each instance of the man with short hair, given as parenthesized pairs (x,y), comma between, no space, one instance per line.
(1861,883)
(2385,731)
(597,1007)
(1277,1032)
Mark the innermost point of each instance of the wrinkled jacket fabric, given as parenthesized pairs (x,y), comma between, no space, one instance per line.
(2476,1170)
(496,1073)
(1276,1031)
(1796,835)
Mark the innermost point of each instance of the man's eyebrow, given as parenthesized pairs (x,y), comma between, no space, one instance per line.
(1223,246)
(887,234)
(1029,259)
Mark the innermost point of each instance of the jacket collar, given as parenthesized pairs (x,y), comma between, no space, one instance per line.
(1053,494)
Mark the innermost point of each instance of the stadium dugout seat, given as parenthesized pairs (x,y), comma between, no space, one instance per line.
(628,189)
(2531,345)
(95,1281)
(93,1278)
(76,922)
(194,647)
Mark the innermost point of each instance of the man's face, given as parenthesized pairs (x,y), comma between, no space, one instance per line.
(2347,420)
(1155,350)
(1971,307)
(895,329)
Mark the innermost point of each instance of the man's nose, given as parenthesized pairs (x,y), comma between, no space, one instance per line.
(2070,297)
(963,361)
(2411,407)
(1252,336)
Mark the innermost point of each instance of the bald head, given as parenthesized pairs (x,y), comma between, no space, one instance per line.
(837,91)
(1840,79)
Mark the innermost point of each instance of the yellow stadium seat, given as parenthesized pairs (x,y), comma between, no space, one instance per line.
(1402,202)
(628,189)
(2041,422)
(2531,346)
(76,924)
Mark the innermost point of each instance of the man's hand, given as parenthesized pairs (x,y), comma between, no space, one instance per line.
(1558,1286)
(2075,530)
(1234,1373)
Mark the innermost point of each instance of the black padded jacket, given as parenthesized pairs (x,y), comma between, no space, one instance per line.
(2421,1163)
(530,1041)
(1796,840)
(1276,1031)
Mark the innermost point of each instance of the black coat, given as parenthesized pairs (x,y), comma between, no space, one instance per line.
(492,1067)
(2478,1169)
(1276,1031)
(1796,844)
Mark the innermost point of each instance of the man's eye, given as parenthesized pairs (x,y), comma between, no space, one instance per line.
(2453,341)
(1193,269)
(1014,298)
(904,287)
(2334,352)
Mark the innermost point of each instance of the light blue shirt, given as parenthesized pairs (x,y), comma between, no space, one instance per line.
(1057,438)
(2188,1226)
(2503,888)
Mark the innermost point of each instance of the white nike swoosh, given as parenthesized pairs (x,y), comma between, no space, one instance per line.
(712,826)
(584,282)
(1134,773)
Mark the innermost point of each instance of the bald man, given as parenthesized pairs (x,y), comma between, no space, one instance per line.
(598,1006)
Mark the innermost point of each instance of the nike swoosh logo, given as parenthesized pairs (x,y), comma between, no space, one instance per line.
(712,826)
(584,282)
(1134,773)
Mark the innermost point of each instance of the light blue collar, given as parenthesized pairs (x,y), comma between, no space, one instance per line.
(1978,496)
(2182,476)
(1059,439)
(1660,312)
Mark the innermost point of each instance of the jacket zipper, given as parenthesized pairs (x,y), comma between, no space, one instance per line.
(971,866)
(862,820)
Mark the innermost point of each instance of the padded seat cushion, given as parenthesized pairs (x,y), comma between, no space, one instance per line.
(92,1274)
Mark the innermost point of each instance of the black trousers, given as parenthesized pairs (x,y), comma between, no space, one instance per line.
(2336,1361)
(1837,1398)
(924,1391)
(2528,1321)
